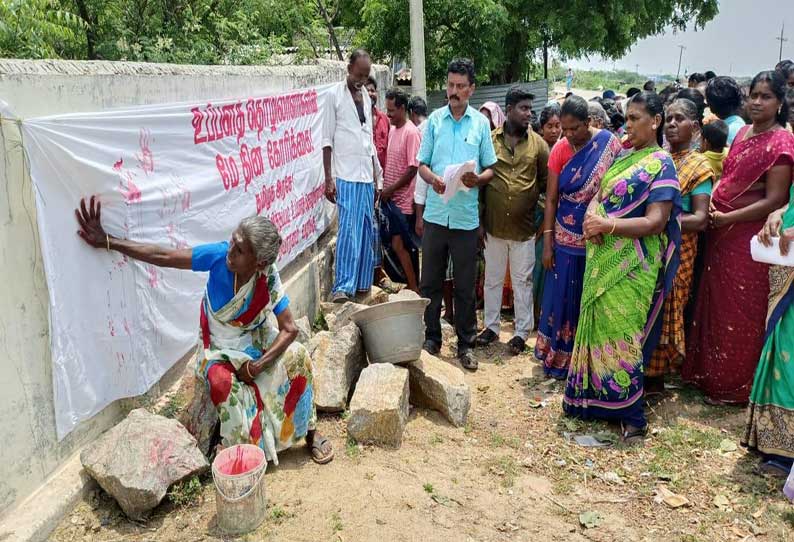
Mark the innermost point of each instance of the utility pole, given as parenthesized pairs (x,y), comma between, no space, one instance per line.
(418,81)
(781,39)
(680,56)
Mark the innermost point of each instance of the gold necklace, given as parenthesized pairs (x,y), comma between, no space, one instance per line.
(235,283)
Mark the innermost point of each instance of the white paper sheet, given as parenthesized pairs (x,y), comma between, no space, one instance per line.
(770,255)
(452,179)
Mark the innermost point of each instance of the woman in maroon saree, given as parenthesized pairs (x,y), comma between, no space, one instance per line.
(727,332)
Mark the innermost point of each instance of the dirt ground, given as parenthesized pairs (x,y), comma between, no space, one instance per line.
(512,474)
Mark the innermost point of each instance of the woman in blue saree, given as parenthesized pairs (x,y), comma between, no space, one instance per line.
(259,378)
(577,164)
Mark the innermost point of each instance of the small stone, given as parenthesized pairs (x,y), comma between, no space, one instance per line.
(337,360)
(304,330)
(343,315)
(140,458)
(404,295)
(438,385)
(379,409)
(375,296)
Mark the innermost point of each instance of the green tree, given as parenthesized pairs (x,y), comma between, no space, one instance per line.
(504,36)
(453,28)
(38,29)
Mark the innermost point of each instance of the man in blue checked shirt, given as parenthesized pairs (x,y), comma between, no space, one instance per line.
(454,134)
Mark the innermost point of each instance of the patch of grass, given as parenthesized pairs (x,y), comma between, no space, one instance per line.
(497,440)
(278,514)
(175,404)
(351,449)
(676,449)
(504,467)
(319,323)
(336,522)
(436,439)
(185,493)
(428,487)
(788,517)
(498,360)
(468,429)
(345,414)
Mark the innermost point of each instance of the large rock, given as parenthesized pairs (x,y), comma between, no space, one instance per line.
(440,386)
(199,415)
(138,460)
(337,359)
(448,332)
(379,409)
(304,330)
(339,315)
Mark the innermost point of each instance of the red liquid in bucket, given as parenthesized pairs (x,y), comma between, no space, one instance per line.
(241,461)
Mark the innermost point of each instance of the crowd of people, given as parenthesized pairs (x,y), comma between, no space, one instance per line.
(618,227)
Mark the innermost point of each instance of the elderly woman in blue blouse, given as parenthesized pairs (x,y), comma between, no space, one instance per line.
(259,378)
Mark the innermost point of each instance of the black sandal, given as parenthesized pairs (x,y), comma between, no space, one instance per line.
(316,449)
(633,437)
(516,345)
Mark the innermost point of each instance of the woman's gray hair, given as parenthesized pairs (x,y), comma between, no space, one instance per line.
(596,110)
(264,238)
(689,108)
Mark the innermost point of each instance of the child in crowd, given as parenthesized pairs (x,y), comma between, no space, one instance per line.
(714,145)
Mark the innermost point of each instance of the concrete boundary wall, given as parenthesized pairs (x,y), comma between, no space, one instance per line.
(31,453)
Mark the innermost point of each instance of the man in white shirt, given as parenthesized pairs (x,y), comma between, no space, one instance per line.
(350,173)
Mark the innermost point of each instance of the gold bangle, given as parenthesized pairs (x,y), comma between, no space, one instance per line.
(247,370)
(614,225)
(547,231)
(107,240)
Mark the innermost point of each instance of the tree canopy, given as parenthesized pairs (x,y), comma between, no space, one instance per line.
(503,37)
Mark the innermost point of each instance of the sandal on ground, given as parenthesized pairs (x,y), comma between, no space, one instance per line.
(485,338)
(467,360)
(634,436)
(773,468)
(516,345)
(316,448)
(340,297)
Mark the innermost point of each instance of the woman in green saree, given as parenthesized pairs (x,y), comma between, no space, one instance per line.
(633,234)
(770,414)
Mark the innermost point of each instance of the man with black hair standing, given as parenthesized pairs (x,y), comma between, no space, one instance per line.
(397,198)
(380,123)
(724,97)
(519,177)
(349,162)
(454,135)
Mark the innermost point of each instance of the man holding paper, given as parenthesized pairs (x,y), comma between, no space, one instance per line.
(454,135)
(509,218)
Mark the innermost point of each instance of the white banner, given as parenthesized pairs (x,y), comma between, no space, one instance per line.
(177,175)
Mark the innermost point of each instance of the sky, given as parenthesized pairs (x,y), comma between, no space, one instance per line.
(739,41)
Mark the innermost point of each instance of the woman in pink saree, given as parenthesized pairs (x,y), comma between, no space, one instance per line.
(727,332)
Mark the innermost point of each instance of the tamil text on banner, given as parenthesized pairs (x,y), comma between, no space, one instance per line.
(176,175)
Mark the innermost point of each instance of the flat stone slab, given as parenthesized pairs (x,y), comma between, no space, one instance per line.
(379,408)
(337,360)
(140,458)
(440,386)
(338,315)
